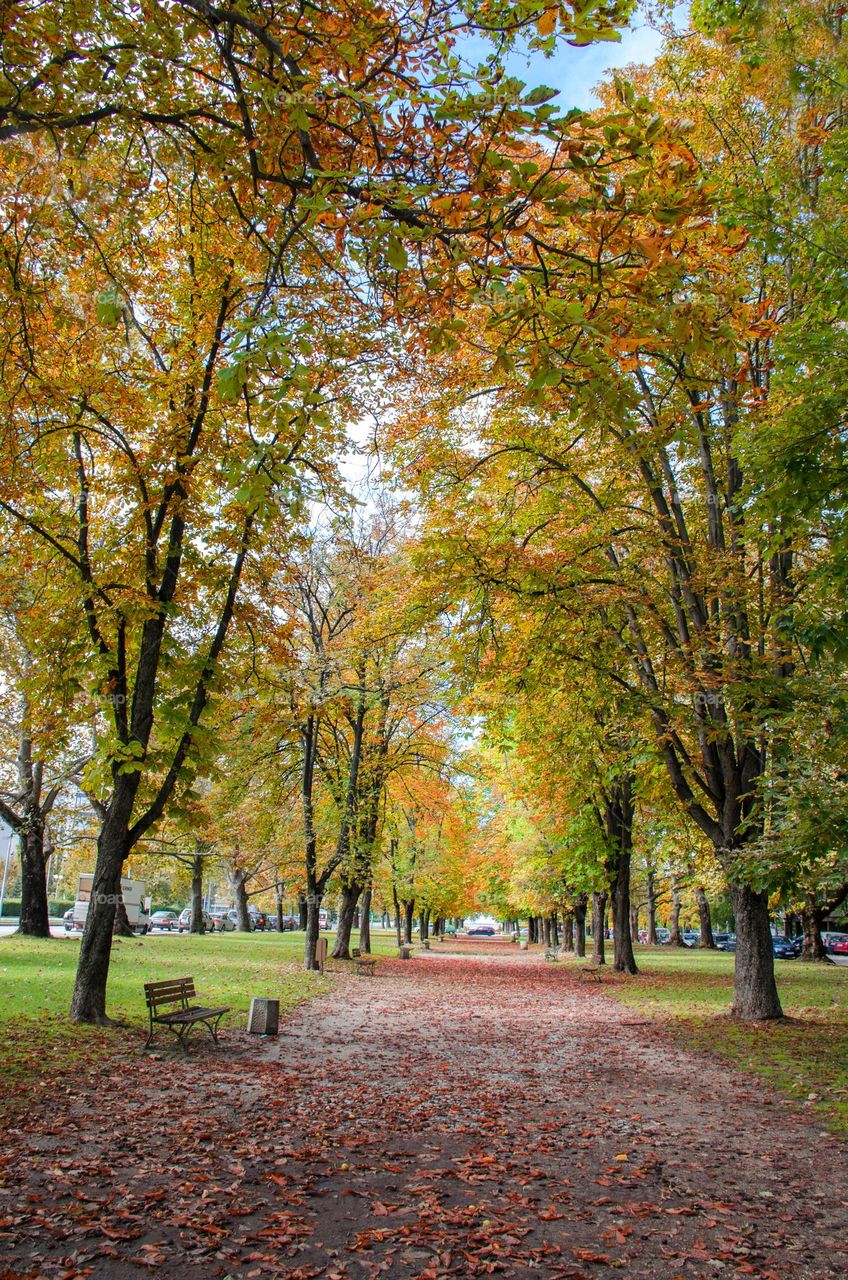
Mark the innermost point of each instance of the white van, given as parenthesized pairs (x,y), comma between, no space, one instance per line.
(133,893)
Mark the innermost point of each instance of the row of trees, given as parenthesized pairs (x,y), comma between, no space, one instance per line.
(631,462)
(601,350)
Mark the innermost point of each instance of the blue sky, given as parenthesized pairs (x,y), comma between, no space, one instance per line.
(575,72)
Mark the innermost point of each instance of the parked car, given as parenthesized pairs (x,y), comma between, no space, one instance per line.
(481,931)
(223,921)
(796,944)
(725,941)
(831,939)
(258,918)
(164,920)
(68,920)
(691,938)
(782,949)
(184,921)
(840,946)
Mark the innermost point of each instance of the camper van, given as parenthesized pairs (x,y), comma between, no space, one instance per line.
(137,905)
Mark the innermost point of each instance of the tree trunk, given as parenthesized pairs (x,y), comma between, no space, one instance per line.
(675,939)
(652,910)
(707,942)
(580,925)
(397,915)
(555,929)
(121,927)
(35,914)
(238,880)
(634,924)
(811,922)
(408,917)
(624,960)
(278,895)
(365,923)
(546,930)
(755,990)
(568,931)
(619,809)
(197,925)
(350,897)
(303,911)
(313,929)
(88,1003)
(599,911)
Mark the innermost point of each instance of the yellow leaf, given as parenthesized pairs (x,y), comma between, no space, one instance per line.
(546,23)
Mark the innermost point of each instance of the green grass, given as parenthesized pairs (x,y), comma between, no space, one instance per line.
(807,1054)
(39,1043)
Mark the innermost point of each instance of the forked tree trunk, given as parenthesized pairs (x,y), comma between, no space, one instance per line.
(344,926)
(599,913)
(675,937)
(704,916)
(365,923)
(238,882)
(755,989)
(580,925)
(35,913)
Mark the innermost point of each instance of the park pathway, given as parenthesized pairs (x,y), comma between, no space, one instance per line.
(452,1117)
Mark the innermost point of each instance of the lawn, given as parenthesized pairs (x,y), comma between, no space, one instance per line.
(36,980)
(805,1057)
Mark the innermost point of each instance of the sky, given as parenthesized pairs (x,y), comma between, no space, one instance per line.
(575,72)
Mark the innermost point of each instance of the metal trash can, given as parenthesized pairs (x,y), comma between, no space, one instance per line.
(264,1017)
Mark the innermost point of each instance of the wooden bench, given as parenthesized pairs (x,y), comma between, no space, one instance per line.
(365,965)
(169,1005)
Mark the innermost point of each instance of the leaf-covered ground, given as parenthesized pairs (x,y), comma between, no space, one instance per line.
(805,1056)
(454,1116)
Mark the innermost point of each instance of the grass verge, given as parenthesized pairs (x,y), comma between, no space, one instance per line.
(38,1043)
(804,1057)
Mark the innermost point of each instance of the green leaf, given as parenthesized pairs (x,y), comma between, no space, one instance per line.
(396,254)
(231,382)
(110,307)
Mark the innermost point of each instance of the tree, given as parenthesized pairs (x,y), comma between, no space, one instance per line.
(41,751)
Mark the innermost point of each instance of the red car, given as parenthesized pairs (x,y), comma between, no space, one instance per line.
(839,947)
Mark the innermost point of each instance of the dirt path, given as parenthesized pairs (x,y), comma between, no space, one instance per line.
(451,1117)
